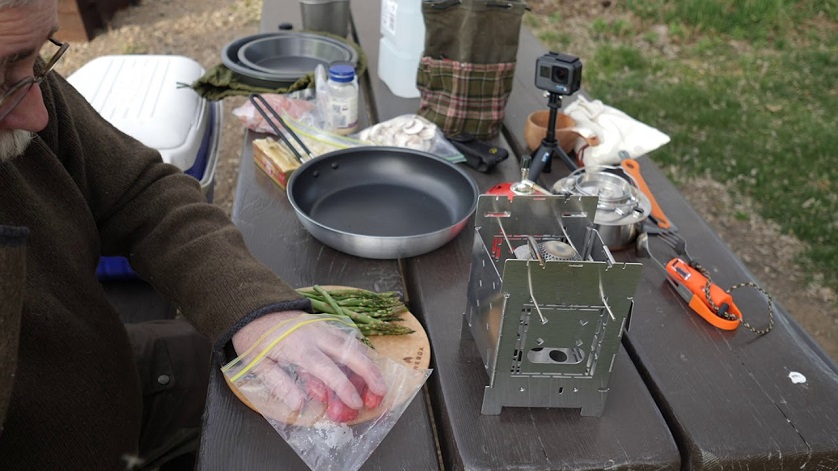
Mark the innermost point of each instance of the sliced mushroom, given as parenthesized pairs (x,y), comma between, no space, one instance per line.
(414,126)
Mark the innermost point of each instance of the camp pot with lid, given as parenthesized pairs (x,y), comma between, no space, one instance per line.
(621,207)
(382,202)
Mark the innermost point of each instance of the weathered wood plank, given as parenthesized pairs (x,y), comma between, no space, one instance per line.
(235,437)
(519,438)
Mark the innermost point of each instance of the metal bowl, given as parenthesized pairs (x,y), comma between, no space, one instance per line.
(306,46)
(291,57)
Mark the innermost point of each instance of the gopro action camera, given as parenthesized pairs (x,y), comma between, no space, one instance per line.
(558,73)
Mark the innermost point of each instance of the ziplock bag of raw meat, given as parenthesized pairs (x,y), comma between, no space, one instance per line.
(325,432)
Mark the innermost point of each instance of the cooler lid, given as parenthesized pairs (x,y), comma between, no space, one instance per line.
(146,97)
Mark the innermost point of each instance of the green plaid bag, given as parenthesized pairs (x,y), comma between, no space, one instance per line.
(468,64)
(464,97)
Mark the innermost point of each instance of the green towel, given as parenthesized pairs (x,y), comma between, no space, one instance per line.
(220,82)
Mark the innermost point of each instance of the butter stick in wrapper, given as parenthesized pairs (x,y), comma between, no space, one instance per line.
(274,159)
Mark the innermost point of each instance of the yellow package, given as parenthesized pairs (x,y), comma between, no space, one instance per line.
(274,159)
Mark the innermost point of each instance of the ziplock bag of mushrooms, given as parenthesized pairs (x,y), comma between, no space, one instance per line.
(312,417)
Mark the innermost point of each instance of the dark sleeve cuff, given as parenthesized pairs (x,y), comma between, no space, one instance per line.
(223,350)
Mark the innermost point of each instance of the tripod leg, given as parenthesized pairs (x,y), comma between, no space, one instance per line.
(543,157)
(566,159)
(540,160)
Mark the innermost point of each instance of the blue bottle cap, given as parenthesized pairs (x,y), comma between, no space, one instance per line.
(341,72)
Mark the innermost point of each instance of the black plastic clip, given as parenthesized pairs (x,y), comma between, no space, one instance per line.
(480,155)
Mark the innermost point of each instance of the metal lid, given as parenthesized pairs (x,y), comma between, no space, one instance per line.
(611,189)
(619,201)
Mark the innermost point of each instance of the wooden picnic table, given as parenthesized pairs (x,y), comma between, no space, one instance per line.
(683,394)
(729,397)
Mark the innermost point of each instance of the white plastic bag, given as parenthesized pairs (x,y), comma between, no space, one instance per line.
(620,135)
(300,107)
(413,132)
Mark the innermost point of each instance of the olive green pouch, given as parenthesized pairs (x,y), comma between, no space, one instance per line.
(468,64)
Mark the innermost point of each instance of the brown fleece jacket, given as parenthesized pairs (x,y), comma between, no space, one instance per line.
(12,276)
(84,189)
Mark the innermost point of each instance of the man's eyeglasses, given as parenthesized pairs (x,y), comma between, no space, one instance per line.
(13,95)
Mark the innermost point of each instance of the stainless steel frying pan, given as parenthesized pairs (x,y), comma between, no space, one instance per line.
(382,202)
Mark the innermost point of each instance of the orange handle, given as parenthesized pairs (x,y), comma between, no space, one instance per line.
(697,305)
(681,273)
(633,168)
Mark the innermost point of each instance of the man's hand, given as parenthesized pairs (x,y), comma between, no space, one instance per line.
(317,348)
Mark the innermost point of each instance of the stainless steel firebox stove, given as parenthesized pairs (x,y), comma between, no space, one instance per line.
(547,303)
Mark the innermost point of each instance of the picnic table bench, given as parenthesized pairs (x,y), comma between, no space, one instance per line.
(683,394)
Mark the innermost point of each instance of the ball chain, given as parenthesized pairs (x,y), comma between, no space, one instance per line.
(728,315)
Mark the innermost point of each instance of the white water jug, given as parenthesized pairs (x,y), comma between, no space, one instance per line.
(401,45)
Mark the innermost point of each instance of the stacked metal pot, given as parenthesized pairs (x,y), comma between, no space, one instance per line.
(622,208)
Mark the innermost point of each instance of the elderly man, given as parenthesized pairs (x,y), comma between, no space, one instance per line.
(72,187)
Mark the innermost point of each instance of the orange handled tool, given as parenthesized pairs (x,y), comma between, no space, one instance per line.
(690,283)
(633,169)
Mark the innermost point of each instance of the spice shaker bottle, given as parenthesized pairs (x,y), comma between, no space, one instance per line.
(343,98)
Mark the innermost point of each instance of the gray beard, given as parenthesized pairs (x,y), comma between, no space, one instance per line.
(13,144)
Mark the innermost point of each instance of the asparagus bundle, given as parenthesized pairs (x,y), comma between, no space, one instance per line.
(373,313)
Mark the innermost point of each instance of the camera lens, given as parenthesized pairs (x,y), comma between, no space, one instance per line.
(560,75)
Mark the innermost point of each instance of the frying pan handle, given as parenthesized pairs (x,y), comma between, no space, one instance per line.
(633,169)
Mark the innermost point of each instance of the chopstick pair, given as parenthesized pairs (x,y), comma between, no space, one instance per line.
(256,99)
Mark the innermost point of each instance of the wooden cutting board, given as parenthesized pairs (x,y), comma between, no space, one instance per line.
(412,350)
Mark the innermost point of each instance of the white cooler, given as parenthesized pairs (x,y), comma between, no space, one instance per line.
(148,97)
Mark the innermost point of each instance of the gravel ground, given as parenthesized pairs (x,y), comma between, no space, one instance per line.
(200,28)
(194,28)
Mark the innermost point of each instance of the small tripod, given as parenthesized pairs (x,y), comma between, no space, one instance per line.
(543,156)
